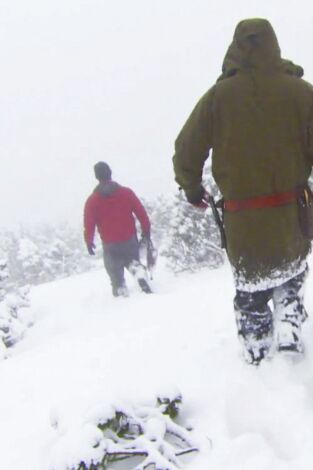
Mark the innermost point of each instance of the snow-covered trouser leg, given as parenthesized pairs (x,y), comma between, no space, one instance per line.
(114,265)
(140,274)
(134,266)
(118,256)
(254,323)
(290,313)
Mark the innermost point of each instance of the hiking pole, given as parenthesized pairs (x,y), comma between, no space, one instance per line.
(217,218)
(149,253)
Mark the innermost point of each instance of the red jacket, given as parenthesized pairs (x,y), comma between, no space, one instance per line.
(111,208)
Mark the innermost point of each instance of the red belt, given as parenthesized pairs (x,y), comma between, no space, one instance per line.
(273,200)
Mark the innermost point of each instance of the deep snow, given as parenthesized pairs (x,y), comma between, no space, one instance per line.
(88,350)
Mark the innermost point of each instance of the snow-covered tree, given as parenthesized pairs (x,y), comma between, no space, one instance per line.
(29,259)
(45,253)
(147,436)
(63,252)
(159,210)
(193,239)
(15,316)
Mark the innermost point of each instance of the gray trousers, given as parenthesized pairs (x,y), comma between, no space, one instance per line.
(118,256)
(255,319)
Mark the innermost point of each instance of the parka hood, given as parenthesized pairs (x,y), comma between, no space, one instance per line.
(255,46)
(106,188)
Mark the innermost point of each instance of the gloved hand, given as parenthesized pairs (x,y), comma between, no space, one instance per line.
(201,205)
(145,236)
(91,248)
(198,198)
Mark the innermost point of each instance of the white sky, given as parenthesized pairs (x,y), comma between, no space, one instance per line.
(89,80)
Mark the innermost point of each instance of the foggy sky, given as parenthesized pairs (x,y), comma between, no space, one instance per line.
(89,80)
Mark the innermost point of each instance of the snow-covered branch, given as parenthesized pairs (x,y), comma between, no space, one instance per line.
(146,434)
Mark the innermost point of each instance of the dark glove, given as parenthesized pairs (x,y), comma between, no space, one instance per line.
(91,248)
(201,205)
(145,236)
(197,198)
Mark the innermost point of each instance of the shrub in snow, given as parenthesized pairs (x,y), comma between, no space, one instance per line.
(45,254)
(14,312)
(159,210)
(29,259)
(148,435)
(193,240)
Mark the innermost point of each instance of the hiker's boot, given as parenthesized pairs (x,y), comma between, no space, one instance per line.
(290,314)
(144,286)
(289,336)
(303,315)
(120,291)
(254,355)
(256,336)
(255,324)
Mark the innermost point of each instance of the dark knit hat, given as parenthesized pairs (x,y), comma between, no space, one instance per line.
(102,171)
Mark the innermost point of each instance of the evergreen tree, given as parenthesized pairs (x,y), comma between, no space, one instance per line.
(45,254)
(15,316)
(193,240)
(159,210)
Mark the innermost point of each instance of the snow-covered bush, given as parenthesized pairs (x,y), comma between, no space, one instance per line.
(159,210)
(146,435)
(45,253)
(193,240)
(190,236)
(15,316)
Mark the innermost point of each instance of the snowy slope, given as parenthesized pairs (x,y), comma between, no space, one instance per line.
(88,350)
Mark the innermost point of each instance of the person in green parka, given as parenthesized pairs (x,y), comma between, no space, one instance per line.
(257,120)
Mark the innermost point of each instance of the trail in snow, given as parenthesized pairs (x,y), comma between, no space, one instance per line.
(88,349)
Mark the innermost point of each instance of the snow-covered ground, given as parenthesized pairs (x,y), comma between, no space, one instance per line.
(88,350)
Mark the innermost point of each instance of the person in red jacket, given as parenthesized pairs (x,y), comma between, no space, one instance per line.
(112,209)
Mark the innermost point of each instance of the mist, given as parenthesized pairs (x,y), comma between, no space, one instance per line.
(89,80)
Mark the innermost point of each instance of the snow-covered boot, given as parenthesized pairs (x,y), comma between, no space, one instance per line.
(255,324)
(140,274)
(255,354)
(120,291)
(256,345)
(144,286)
(290,314)
(303,314)
(289,336)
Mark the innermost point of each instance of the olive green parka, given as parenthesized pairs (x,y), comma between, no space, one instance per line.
(258,121)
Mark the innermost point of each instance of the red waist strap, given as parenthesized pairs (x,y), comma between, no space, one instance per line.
(272,200)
